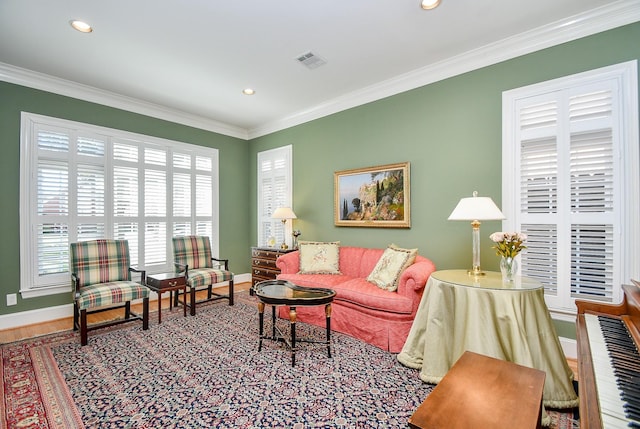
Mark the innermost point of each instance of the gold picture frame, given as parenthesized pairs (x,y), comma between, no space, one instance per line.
(373,196)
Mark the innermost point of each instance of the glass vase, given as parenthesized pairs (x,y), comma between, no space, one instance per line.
(508,268)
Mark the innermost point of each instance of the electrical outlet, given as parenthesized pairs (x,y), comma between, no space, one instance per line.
(12,299)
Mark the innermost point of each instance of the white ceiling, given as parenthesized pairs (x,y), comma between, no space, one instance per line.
(188,60)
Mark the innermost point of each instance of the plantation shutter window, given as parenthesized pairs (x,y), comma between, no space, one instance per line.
(204,191)
(274,191)
(587,180)
(155,207)
(53,219)
(568,157)
(126,194)
(81,182)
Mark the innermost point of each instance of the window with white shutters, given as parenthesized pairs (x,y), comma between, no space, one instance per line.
(570,167)
(274,190)
(81,182)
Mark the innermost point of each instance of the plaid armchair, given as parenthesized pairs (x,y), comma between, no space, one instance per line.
(101,278)
(192,256)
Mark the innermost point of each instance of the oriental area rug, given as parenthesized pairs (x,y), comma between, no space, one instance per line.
(206,372)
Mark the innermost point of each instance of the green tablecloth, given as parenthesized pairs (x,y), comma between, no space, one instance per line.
(485,315)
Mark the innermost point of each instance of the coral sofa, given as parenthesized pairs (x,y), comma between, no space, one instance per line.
(362,309)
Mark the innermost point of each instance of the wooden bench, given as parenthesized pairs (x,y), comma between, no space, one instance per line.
(483,392)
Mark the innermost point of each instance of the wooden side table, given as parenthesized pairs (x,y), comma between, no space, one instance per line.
(167,282)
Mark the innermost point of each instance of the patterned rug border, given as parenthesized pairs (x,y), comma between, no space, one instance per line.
(47,401)
(27,401)
(60,408)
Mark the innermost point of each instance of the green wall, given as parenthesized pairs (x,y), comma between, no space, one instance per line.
(450,131)
(234,183)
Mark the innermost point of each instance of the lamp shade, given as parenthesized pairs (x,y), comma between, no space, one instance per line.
(284,213)
(476,208)
(429,4)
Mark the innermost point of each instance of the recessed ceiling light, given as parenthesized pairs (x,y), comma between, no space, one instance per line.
(248,91)
(81,26)
(429,4)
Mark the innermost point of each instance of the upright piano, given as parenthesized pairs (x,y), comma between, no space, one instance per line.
(608,338)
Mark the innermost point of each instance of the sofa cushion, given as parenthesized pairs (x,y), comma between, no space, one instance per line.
(413,255)
(351,261)
(315,280)
(319,257)
(387,271)
(354,290)
(366,294)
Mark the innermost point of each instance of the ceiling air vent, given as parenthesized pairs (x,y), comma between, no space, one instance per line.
(310,60)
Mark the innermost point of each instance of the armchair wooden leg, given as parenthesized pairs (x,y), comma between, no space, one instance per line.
(127,310)
(76,316)
(83,327)
(209,291)
(231,292)
(145,313)
(193,301)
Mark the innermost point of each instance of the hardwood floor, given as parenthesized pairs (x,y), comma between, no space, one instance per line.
(30,331)
(64,324)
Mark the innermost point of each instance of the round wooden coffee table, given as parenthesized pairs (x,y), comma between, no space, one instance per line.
(281,292)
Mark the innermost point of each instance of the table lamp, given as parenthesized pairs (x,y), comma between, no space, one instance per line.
(284,213)
(476,209)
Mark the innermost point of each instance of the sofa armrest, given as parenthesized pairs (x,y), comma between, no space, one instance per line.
(414,278)
(289,263)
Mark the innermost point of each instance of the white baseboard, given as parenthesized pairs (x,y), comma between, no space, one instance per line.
(570,347)
(48,314)
(40,315)
(242,278)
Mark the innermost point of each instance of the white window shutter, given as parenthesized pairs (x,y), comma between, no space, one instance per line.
(125,194)
(90,191)
(592,264)
(51,209)
(181,195)
(123,230)
(81,182)
(567,177)
(205,186)
(562,159)
(155,244)
(274,191)
(540,256)
(539,176)
(203,196)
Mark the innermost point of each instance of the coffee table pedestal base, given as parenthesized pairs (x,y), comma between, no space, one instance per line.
(277,335)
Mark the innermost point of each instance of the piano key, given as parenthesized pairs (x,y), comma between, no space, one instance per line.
(611,404)
(625,361)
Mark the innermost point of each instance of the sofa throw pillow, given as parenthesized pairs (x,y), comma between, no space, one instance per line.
(319,258)
(391,264)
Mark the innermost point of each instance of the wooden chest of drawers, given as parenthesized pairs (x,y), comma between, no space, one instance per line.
(263,263)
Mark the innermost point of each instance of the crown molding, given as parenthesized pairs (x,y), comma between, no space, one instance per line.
(41,81)
(594,21)
(597,20)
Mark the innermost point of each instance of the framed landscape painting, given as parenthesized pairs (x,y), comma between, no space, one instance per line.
(373,196)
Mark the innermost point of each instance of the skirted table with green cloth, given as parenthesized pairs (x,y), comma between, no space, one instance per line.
(483,314)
